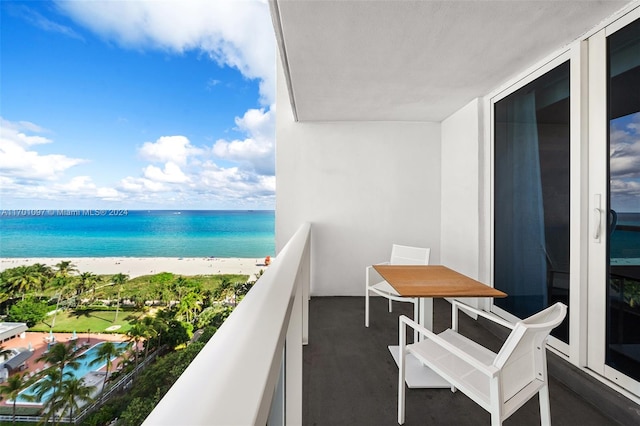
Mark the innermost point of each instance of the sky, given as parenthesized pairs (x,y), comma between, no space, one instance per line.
(624,163)
(137,105)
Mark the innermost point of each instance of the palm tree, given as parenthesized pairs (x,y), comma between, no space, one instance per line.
(106,352)
(93,283)
(50,384)
(222,289)
(150,333)
(23,279)
(62,356)
(10,390)
(43,269)
(119,280)
(45,273)
(66,268)
(189,305)
(81,283)
(4,296)
(155,327)
(60,283)
(136,333)
(178,286)
(74,390)
(86,281)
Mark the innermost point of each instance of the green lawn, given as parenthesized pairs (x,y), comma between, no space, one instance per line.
(96,321)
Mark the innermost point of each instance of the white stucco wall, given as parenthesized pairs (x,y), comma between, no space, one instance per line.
(362,185)
(459,247)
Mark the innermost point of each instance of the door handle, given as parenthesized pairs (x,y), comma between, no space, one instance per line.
(598,227)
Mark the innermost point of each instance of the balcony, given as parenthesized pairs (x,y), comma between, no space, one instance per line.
(351,379)
(255,370)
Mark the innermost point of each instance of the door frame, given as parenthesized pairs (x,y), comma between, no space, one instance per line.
(598,128)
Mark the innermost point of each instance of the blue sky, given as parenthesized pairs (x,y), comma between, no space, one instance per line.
(137,105)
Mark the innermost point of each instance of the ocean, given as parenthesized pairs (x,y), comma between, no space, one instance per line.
(137,233)
(178,233)
(624,241)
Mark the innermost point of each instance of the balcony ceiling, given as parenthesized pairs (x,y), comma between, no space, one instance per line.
(400,60)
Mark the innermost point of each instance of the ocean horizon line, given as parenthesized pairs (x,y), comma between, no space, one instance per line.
(44,211)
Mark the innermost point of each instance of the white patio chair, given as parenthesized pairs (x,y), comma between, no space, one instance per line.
(400,255)
(500,383)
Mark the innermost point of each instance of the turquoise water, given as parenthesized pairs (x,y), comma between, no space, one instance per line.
(155,233)
(84,368)
(625,239)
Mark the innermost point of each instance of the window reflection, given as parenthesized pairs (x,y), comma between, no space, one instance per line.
(532,183)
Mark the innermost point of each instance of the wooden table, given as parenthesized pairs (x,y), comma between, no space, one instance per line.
(427,282)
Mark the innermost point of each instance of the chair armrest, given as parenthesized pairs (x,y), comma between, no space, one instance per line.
(488,315)
(369,269)
(488,370)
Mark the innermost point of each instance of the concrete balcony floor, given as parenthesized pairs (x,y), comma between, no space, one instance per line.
(350,377)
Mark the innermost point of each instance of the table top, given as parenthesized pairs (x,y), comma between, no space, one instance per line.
(433,281)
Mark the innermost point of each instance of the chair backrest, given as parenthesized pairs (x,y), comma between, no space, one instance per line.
(406,255)
(522,358)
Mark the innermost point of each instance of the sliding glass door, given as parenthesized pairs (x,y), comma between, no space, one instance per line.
(566,199)
(623,224)
(532,196)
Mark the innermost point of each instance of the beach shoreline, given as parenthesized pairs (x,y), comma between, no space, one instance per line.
(138,266)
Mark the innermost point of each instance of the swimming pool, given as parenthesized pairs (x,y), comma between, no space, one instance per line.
(84,367)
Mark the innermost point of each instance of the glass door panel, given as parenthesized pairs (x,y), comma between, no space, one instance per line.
(623,251)
(532,196)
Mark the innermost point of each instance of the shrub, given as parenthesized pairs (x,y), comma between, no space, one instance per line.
(29,311)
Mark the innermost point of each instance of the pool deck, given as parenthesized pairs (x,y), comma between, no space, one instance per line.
(39,344)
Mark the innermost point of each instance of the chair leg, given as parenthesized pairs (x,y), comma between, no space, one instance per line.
(416,313)
(495,420)
(366,308)
(401,392)
(401,373)
(545,408)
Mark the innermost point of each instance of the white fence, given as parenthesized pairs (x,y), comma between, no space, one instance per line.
(250,372)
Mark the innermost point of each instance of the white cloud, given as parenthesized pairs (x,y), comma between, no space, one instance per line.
(171,173)
(626,187)
(19,161)
(78,183)
(26,174)
(176,149)
(625,147)
(14,131)
(234,184)
(256,152)
(179,174)
(83,187)
(238,34)
(133,185)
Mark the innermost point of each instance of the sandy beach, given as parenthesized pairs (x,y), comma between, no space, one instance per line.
(137,266)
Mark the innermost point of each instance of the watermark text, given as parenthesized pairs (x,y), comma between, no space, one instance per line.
(62,212)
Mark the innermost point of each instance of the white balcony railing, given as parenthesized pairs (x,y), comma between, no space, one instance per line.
(250,372)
